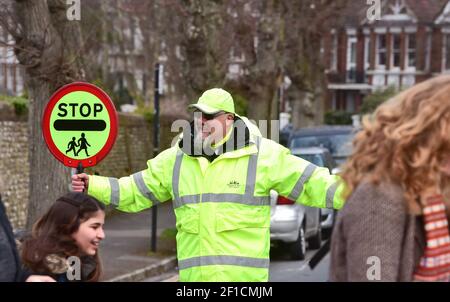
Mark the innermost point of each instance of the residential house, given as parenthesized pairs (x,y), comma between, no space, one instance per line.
(407,43)
(11,73)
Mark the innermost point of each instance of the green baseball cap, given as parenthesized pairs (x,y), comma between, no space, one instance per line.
(215,100)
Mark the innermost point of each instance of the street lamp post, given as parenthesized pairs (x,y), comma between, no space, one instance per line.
(156,126)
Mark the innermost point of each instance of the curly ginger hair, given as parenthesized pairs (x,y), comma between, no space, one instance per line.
(404,142)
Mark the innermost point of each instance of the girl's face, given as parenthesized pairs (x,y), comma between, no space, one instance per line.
(90,233)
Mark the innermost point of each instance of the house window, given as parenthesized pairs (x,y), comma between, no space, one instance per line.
(351,103)
(447,51)
(411,51)
(10,78)
(381,50)
(2,76)
(396,44)
(351,59)
(366,52)
(19,80)
(334,101)
(428,52)
(334,46)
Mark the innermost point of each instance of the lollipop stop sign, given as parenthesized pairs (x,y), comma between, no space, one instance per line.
(80,125)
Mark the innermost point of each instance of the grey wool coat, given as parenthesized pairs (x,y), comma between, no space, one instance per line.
(375,222)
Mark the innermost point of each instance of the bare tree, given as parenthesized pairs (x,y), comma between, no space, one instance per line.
(205,45)
(259,26)
(192,38)
(49,46)
(283,38)
(308,22)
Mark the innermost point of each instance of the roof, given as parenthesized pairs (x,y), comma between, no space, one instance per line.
(425,11)
(354,13)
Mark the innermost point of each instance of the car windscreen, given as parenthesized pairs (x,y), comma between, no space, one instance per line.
(316,159)
(339,145)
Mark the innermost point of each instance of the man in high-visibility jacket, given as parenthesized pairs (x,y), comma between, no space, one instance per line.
(219,175)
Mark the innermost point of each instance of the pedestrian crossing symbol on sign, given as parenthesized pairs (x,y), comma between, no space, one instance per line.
(82,143)
(80,124)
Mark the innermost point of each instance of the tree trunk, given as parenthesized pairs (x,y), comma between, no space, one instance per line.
(48,177)
(49,46)
(263,95)
(205,45)
(307,107)
(304,66)
(262,74)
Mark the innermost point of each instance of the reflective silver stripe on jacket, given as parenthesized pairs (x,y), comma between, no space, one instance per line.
(236,198)
(176,175)
(330,195)
(223,197)
(223,260)
(251,171)
(247,198)
(298,188)
(140,183)
(115,191)
(180,201)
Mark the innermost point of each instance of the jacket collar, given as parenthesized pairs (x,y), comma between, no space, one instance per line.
(241,142)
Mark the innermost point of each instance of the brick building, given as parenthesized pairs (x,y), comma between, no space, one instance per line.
(408,44)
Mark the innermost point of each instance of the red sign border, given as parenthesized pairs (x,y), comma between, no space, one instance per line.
(114,124)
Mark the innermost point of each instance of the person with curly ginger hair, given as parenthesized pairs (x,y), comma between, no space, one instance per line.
(394,226)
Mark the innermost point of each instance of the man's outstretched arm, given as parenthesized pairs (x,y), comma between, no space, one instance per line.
(133,193)
(304,182)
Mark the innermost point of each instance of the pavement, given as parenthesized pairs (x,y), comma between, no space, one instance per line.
(126,251)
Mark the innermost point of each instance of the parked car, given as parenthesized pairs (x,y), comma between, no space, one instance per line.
(337,139)
(285,133)
(295,224)
(320,157)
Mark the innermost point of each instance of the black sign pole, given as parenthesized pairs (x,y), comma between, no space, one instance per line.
(155,152)
(80,170)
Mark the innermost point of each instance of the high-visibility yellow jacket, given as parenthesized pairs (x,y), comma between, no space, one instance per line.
(222,207)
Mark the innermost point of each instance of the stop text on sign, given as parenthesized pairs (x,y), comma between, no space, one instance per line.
(84,109)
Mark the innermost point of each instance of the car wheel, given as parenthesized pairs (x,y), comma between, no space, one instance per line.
(298,248)
(316,241)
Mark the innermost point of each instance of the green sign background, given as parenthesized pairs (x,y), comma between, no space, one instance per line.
(97,139)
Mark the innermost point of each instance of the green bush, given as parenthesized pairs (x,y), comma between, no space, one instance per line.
(147,113)
(338,118)
(20,104)
(375,99)
(24,94)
